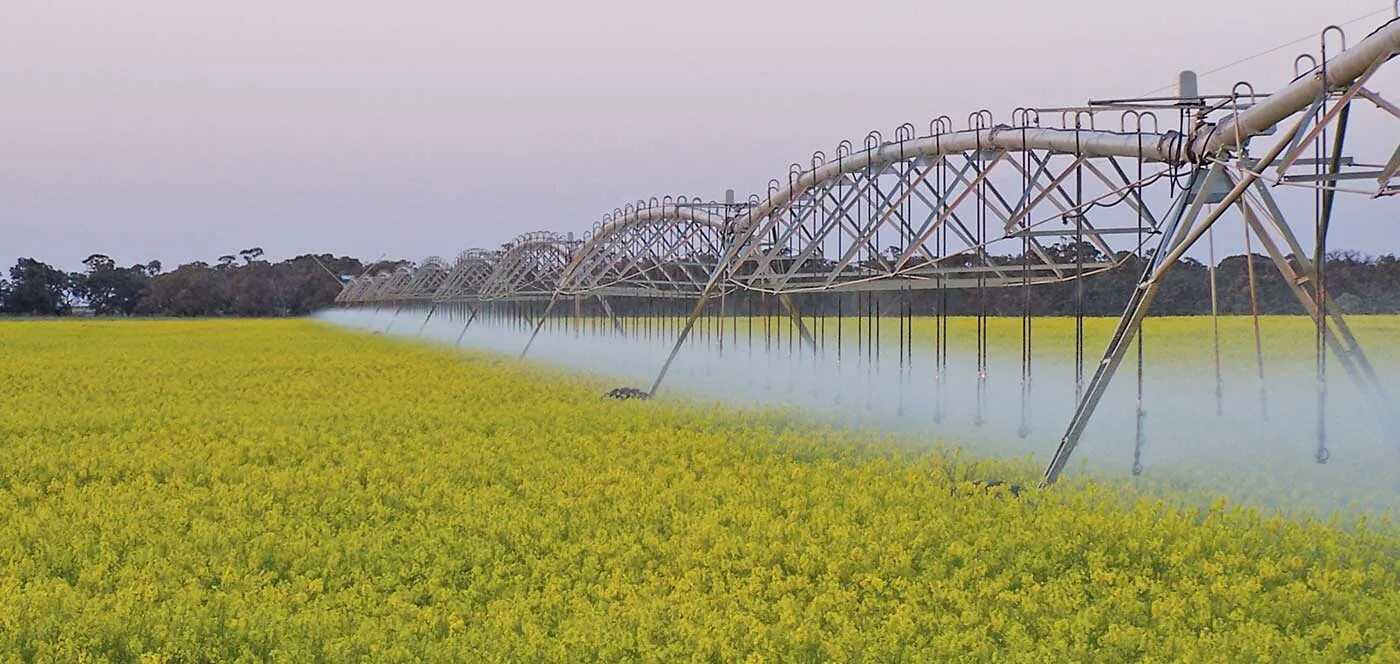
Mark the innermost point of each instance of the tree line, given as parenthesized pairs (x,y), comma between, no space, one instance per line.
(235,285)
(244,284)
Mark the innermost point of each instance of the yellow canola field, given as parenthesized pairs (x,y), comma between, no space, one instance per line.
(280,490)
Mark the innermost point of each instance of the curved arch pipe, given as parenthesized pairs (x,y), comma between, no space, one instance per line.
(515,270)
(647,215)
(1153,147)
(586,258)
(1341,71)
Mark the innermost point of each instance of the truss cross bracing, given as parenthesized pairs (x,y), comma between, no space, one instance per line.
(1051,196)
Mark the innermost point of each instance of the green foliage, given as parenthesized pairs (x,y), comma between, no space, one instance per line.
(35,288)
(109,289)
(280,491)
(293,287)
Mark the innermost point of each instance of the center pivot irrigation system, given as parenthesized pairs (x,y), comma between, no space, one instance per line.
(899,221)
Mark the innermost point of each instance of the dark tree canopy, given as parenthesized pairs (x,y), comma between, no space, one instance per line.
(109,289)
(36,288)
(256,287)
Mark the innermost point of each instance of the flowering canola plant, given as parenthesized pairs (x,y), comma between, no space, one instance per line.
(284,491)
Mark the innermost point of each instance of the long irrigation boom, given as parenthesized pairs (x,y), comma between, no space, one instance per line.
(1053,196)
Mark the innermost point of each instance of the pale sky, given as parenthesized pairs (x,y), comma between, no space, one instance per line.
(182,130)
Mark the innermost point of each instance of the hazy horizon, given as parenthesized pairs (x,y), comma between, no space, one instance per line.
(156,129)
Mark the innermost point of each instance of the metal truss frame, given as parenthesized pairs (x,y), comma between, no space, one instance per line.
(1048,198)
(530,267)
(660,248)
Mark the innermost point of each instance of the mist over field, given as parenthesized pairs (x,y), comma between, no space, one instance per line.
(1239,452)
